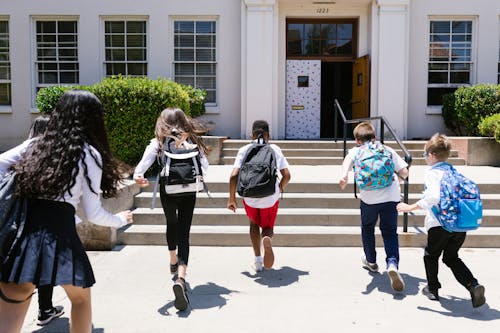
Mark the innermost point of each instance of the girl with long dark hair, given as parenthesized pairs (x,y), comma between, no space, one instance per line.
(69,163)
(183,131)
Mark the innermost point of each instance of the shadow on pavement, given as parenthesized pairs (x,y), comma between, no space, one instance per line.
(206,296)
(382,283)
(61,325)
(276,278)
(461,307)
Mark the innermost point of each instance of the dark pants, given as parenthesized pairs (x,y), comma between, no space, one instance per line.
(45,297)
(178,211)
(388,226)
(440,240)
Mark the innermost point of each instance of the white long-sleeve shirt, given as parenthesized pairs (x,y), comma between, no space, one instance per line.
(149,157)
(91,202)
(432,181)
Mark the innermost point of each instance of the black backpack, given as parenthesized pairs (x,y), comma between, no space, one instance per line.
(258,172)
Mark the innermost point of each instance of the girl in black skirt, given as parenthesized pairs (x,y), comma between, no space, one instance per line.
(70,162)
(173,124)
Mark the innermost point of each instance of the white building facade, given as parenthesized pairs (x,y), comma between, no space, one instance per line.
(284,61)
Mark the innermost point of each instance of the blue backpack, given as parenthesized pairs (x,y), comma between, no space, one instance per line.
(373,166)
(460,207)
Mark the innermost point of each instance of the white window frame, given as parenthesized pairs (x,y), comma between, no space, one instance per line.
(7,108)
(34,62)
(121,18)
(437,109)
(210,107)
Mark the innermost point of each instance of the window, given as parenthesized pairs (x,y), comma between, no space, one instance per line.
(125,48)
(5,83)
(450,58)
(195,55)
(320,38)
(56,53)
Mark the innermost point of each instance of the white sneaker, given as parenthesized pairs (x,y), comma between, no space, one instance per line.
(397,282)
(372,267)
(258,265)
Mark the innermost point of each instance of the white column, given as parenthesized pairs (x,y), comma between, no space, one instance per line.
(392,44)
(259,64)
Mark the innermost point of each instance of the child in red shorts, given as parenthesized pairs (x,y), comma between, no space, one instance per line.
(260,211)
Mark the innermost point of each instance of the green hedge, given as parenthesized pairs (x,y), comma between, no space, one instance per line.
(470,106)
(131,107)
(490,126)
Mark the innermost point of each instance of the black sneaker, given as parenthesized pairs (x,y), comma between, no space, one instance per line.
(477,295)
(181,301)
(431,294)
(45,316)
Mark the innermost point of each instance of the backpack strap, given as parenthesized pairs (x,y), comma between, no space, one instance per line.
(164,162)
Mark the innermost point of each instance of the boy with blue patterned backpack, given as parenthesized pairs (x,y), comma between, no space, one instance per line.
(376,170)
(453,205)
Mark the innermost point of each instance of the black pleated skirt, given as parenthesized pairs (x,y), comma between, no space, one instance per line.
(49,251)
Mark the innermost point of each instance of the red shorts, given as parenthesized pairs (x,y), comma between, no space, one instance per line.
(263,217)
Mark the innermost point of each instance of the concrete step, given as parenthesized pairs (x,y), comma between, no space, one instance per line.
(295,200)
(486,237)
(321,144)
(290,217)
(306,160)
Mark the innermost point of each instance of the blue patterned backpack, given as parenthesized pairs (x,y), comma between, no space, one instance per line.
(373,166)
(460,207)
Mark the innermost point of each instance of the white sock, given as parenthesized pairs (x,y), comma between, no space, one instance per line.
(258,258)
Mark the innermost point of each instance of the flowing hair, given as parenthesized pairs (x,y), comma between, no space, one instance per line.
(50,165)
(173,123)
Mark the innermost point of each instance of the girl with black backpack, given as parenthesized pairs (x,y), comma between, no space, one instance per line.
(181,154)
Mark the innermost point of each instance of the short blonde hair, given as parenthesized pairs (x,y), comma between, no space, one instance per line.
(364,131)
(439,145)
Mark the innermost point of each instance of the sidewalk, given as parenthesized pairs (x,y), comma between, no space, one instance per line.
(309,290)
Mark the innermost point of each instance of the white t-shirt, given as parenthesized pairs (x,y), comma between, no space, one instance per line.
(91,202)
(281,164)
(391,193)
(432,191)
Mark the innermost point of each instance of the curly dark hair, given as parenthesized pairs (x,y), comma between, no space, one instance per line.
(50,164)
(174,123)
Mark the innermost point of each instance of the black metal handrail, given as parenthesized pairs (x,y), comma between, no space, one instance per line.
(384,124)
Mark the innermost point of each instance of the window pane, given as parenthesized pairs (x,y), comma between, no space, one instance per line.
(295,48)
(441,39)
(137,69)
(46,54)
(344,47)
(295,31)
(136,41)
(116,41)
(47,77)
(205,41)
(185,80)
(66,27)
(460,77)
(205,82)
(435,95)
(67,40)
(210,97)
(438,66)
(440,27)
(205,69)
(205,55)
(69,77)
(184,69)
(461,27)
(115,55)
(4,71)
(205,27)
(115,27)
(115,69)
(4,27)
(184,27)
(184,41)
(68,66)
(136,27)
(5,98)
(136,55)
(312,30)
(344,31)
(329,31)
(184,55)
(438,77)
(45,27)
(67,54)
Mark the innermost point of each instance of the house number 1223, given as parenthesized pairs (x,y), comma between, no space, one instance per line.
(321,10)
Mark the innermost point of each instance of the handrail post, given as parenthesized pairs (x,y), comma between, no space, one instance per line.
(405,200)
(335,120)
(382,129)
(345,139)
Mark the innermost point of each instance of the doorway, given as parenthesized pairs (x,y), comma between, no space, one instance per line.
(336,83)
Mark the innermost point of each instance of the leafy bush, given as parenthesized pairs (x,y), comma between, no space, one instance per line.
(131,107)
(449,114)
(490,126)
(473,104)
(47,98)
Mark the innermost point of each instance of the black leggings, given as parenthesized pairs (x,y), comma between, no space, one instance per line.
(178,211)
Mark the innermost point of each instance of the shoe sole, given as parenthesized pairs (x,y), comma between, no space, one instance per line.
(478,298)
(48,320)
(181,301)
(268,252)
(368,267)
(396,281)
(430,295)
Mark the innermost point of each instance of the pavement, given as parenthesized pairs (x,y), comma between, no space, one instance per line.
(308,290)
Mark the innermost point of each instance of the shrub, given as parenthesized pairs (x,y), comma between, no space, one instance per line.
(474,103)
(450,115)
(47,98)
(490,126)
(131,107)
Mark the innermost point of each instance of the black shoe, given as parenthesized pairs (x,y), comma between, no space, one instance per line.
(431,294)
(45,316)
(181,301)
(477,295)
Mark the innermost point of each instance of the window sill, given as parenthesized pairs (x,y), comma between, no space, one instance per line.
(34,111)
(212,109)
(5,109)
(434,109)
